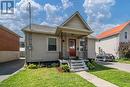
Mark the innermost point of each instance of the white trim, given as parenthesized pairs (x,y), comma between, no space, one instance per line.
(56,43)
(80,44)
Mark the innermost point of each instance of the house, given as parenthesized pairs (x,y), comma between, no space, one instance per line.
(9,45)
(71,39)
(114,41)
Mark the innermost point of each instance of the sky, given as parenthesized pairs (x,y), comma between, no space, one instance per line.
(99,14)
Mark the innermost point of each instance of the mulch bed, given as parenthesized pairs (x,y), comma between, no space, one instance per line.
(59,69)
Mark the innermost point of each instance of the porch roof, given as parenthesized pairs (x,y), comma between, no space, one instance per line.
(72,31)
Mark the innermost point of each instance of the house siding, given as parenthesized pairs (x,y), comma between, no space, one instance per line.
(76,23)
(122,34)
(40,49)
(109,45)
(91,48)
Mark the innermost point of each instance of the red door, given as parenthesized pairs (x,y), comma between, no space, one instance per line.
(72,47)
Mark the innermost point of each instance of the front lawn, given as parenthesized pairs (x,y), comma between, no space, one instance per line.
(45,77)
(124,60)
(120,78)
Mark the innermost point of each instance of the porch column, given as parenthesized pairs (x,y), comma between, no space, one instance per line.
(61,45)
(85,48)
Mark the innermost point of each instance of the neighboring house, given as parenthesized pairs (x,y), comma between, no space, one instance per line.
(9,45)
(45,43)
(110,41)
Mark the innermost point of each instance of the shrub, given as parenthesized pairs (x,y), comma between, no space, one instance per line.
(65,68)
(127,55)
(32,66)
(90,66)
(93,62)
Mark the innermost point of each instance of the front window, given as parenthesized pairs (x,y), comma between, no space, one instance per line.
(125,35)
(82,42)
(51,44)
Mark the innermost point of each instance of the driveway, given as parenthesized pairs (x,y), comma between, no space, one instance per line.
(120,66)
(8,68)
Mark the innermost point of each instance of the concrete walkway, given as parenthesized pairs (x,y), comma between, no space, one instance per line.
(120,66)
(95,80)
(9,68)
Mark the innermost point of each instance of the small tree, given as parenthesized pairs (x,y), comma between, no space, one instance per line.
(124,49)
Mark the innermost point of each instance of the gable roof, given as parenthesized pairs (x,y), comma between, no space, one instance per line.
(73,15)
(113,31)
(8,30)
(52,30)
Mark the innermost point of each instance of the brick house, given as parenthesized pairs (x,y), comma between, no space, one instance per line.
(9,45)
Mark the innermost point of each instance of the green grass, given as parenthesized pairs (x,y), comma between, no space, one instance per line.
(45,77)
(124,60)
(120,78)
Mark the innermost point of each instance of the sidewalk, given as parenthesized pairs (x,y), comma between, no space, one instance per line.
(95,80)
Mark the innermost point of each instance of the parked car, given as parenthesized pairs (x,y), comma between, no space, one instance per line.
(105,57)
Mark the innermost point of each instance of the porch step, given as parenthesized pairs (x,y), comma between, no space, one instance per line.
(78,70)
(77,65)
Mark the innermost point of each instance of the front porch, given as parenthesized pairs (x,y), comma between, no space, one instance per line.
(73,43)
(72,51)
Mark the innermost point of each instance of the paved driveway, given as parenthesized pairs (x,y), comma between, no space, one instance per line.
(120,66)
(8,68)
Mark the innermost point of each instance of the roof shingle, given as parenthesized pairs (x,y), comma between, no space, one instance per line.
(112,31)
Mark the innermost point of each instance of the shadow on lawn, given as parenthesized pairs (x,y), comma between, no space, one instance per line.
(99,67)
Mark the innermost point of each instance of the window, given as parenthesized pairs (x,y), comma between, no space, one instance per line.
(22,44)
(125,35)
(82,42)
(51,44)
(29,37)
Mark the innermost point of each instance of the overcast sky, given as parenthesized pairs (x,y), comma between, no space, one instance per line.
(99,14)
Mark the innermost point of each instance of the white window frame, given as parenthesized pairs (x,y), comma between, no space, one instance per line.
(80,44)
(56,44)
(126,35)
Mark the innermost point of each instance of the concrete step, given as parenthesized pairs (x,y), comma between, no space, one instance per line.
(77,70)
(77,64)
(75,61)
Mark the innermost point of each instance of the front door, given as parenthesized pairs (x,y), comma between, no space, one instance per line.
(72,47)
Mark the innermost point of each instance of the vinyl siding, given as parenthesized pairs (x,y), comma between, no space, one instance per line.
(40,49)
(109,45)
(76,23)
(122,34)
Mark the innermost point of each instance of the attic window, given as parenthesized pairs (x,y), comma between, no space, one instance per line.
(125,35)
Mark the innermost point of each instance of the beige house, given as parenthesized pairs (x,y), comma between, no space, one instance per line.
(71,39)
